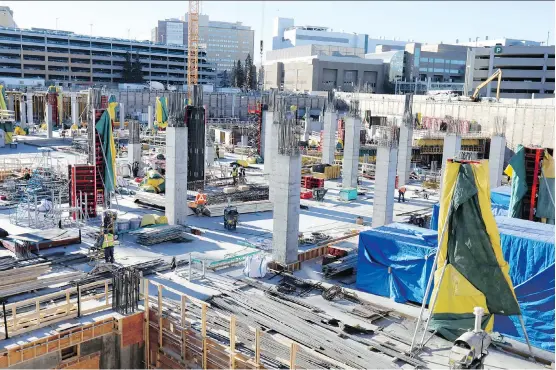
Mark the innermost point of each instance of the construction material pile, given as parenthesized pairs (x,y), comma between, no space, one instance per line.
(255,192)
(345,265)
(161,234)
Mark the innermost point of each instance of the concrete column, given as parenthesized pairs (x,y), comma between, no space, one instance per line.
(74,111)
(328,144)
(385,183)
(176,175)
(287,185)
(406,142)
(30,120)
(270,141)
(122,115)
(22,112)
(307,129)
(350,163)
(134,146)
(244,141)
(48,120)
(496,160)
(150,117)
(209,156)
(452,148)
(11,104)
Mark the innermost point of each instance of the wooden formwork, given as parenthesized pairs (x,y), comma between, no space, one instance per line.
(19,353)
(174,342)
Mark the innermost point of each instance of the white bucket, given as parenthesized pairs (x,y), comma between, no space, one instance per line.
(134,223)
(123,225)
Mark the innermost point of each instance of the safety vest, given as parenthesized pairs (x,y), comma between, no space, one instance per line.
(201,198)
(108,241)
(234,172)
(402,189)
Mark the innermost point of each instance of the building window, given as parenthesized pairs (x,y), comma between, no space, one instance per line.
(439,61)
(417,56)
(439,70)
(424,60)
(422,69)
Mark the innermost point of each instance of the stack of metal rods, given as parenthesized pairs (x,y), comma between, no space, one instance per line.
(340,265)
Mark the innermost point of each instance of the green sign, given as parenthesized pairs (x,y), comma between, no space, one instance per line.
(497,49)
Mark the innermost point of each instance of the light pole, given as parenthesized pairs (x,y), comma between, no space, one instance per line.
(91,25)
(57,24)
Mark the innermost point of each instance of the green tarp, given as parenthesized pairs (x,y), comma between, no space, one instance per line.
(519,183)
(104,128)
(470,249)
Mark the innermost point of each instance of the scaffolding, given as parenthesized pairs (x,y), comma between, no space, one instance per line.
(40,200)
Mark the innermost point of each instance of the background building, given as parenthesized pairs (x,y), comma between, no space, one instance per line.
(7,17)
(501,42)
(437,62)
(285,35)
(526,70)
(62,56)
(322,68)
(225,42)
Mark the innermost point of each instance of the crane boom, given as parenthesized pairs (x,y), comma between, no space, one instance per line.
(192,47)
(498,74)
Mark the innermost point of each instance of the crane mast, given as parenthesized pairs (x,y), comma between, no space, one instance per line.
(192,47)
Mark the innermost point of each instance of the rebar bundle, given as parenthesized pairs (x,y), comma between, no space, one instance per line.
(125,295)
(290,127)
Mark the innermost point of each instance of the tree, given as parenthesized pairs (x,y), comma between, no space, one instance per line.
(224,79)
(239,75)
(127,72)
(248,72)
(137,70)
(253,85)
(233,74)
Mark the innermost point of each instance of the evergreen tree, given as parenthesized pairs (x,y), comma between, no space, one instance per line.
(127,72)
(233,74)
(224,79)
(248,72)
(137,70)
(240,75)
(253,83)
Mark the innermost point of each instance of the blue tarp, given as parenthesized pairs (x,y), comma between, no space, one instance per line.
(395,261)
(528,247)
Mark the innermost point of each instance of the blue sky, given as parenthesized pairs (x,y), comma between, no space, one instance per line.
(425,21)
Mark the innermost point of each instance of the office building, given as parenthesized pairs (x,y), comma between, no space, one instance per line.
(322,68)
(225,42)
(62,56)
(500,42)
(527,71)
(285,34)
(437,62)
(7,17)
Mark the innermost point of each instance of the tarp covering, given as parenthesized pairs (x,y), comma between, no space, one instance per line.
(516,172)
(104,128)
(529,249)
(161,113)
(545,202)
(395,261)
(3,98)
(470,257)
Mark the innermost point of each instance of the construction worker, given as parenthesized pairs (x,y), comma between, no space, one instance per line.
(235,174)
(401,194)
(200,198)
(217,152)
(108,247)
(242,174)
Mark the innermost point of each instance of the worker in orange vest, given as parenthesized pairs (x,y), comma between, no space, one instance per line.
(401,194)
(200,198)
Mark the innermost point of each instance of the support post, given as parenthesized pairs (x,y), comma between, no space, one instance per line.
(30,109)
(204,333)
(405,142)
(176,175)
(258,347)
(49,122)
(293,354)
(22,112)
(496,160)
(147,321)
(352,144)
(328,145)
(122,116)
(184,329)
(383,200)
(74,110)
(150,117)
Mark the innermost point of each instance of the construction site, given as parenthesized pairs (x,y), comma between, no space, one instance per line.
(173,230)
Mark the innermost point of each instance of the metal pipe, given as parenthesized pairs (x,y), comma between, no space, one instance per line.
(190,263)
(431,308)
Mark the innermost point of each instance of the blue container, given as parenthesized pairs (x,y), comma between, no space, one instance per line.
(348,194)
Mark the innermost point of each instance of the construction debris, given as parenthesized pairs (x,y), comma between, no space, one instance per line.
(161,234)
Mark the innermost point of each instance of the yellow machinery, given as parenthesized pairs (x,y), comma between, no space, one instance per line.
(192,47)
(498,73)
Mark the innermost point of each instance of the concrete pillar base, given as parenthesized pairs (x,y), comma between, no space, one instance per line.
(404,154)
(150,122)
(30,120)
(49,122)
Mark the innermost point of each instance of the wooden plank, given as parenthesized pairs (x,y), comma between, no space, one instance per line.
(204,333)
(293,353)
(232,341)
(146,321)
(159,324)
(258,347)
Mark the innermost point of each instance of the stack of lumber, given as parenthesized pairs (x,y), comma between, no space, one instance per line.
(15,287)
(341,265)
(160,235)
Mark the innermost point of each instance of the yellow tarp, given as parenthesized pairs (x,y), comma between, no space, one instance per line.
(112,110)
(457,295)
(19,131)
(243,163)
(161,220)
(148,220)
(548,166)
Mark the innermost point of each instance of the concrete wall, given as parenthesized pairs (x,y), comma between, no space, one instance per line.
(527,122)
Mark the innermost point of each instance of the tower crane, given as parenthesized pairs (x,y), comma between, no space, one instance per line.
(192,47)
